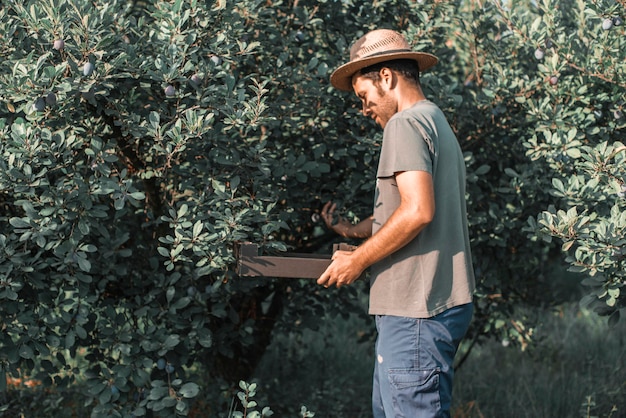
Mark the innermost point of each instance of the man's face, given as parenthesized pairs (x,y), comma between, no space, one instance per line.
(378,102)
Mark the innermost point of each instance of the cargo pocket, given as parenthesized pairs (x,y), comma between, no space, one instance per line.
(415,392)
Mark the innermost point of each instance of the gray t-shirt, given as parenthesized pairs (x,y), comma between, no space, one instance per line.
(434,271)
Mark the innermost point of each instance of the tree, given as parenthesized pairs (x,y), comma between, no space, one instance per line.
(125,192)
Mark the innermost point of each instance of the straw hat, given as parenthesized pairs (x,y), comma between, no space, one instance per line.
(374,47)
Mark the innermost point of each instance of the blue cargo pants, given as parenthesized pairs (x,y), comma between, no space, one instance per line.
(414,363)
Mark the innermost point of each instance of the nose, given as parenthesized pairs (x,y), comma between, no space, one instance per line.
(366,110)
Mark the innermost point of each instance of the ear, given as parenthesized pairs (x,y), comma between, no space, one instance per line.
(387,78)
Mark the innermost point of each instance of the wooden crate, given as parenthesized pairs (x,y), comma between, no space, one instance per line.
(290,265)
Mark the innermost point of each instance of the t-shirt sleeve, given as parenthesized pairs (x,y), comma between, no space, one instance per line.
(404,148)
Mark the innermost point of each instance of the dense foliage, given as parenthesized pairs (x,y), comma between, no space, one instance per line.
(140,142)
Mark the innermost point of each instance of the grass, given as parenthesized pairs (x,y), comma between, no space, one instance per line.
(577,369)
(329,370)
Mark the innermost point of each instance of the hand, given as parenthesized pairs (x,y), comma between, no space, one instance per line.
(333,221)
(342,271)
(328,212)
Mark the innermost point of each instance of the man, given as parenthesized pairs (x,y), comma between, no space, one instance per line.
(418,249)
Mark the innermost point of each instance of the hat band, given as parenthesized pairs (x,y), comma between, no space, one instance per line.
(392,51)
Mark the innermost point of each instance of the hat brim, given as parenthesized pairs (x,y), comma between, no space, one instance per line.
(341,78)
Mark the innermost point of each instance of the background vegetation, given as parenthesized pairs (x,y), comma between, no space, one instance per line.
(140,141)
(575,369)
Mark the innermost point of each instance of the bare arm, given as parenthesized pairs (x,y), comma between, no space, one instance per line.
(344,227)
(416,210)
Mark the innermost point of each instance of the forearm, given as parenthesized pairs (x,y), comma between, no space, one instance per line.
(343,227)
(400,229)
(360,230)
(415,212)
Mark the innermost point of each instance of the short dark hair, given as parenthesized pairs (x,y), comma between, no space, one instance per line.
(408,68)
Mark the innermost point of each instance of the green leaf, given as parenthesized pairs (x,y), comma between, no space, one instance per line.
(80,332)
(511,173)
(26,352)
(482,170)
(19,223)
(234,182)
(84,264)
(197,228)
(171,341)
(181,303)
(169,294)
(573,152)
(158,393)
(189,390)
(205,338)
